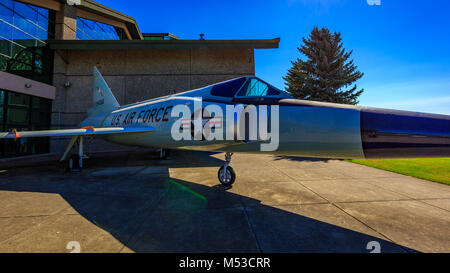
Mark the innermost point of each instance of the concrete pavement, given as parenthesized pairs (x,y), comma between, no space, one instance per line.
(137,203)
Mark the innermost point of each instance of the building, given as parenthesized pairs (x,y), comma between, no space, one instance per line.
(48,49)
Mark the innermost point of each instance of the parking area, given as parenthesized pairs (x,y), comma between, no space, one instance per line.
(138,203)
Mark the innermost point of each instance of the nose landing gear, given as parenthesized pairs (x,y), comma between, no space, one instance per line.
(226,174)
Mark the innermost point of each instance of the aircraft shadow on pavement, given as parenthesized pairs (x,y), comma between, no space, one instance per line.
(302,159)
(152,212)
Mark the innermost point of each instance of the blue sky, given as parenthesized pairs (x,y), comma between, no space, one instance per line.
(402,46)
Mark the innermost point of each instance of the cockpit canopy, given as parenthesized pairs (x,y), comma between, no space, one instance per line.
(246,87)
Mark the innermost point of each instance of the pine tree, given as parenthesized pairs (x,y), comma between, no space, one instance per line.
(326,72)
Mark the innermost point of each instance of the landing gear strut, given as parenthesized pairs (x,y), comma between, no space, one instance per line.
(226,174)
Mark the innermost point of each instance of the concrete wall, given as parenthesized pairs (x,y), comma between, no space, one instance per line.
(136,75)
(66,23)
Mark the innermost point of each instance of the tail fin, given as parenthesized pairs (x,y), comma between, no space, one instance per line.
(104,100)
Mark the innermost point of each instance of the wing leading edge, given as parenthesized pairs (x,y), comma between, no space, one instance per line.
(88,131)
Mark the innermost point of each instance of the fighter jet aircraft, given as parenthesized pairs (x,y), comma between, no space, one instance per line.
(249,115)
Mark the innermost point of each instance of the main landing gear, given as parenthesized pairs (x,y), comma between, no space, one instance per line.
(226,174)
(75,161)
(164,154)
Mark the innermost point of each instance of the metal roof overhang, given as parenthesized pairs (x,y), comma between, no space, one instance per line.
(102,10)
(166,44)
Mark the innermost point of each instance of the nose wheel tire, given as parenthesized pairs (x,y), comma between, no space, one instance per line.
(226,176)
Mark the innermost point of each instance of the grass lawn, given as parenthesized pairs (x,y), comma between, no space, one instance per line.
(433,169)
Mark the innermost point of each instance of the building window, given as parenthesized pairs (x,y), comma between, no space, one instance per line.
(23,113)
(24,30)
(2,99)
(91,30)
